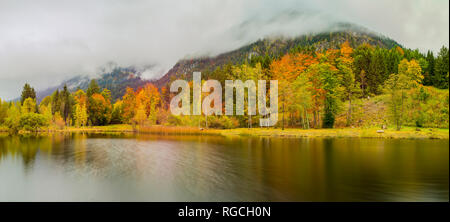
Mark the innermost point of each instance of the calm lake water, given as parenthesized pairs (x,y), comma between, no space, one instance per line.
(106,167)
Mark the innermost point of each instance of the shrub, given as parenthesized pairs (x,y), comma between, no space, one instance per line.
(59,121)
(222,122)
(12,123)
(328,120)
(32,121)
(174,120)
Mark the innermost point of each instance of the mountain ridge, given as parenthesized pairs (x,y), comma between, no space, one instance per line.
(119,78)
(274,46)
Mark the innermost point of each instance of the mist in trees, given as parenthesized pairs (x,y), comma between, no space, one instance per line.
(317,89)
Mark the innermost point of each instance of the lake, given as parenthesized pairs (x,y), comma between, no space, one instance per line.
(129,167)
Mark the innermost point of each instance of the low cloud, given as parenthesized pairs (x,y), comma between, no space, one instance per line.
(45,42)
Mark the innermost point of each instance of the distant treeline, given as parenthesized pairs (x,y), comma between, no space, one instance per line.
(316,87)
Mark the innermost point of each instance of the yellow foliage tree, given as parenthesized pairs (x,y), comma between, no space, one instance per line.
(29,106)
(140,116)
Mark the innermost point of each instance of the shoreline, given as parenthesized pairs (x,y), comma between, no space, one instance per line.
(404,133)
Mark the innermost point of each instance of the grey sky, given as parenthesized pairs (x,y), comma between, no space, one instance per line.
(45,42)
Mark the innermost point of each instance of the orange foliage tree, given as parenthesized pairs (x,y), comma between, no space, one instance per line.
(149,98)
(146,100)
(129,105)
(286,70)
(99,109)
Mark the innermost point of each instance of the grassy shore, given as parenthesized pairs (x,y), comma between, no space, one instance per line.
(405,132)
(3,129)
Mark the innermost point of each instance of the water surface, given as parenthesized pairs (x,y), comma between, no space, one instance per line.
(127,167)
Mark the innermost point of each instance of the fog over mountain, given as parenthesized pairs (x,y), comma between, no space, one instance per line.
(46,42)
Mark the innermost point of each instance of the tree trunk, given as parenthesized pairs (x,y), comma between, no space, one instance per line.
(349,112)
(399,125)
(307,119)
(318,119)
(314,119)
(303,121)
(283,110)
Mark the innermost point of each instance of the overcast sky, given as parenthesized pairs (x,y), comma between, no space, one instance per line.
(46,42)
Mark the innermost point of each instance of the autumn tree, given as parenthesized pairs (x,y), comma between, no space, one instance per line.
(397,86)
(80,98)
(46,101)
(81,115)
(246,72)
(106,93)
(129,105)
(412,70)
(32,121)
(116,113)
(165,97)
(46,110)
(347,77)
(4,106)
(286,70)
(303,96)
(140,117)
(332,95)
(283,71)
(13,119)
(99,109)
(149,98)
(29,106)
(58,121)
(315,79)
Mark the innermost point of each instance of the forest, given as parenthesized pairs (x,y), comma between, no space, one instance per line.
(333,88)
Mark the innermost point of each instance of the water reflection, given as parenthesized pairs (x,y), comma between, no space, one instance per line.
(127,167)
